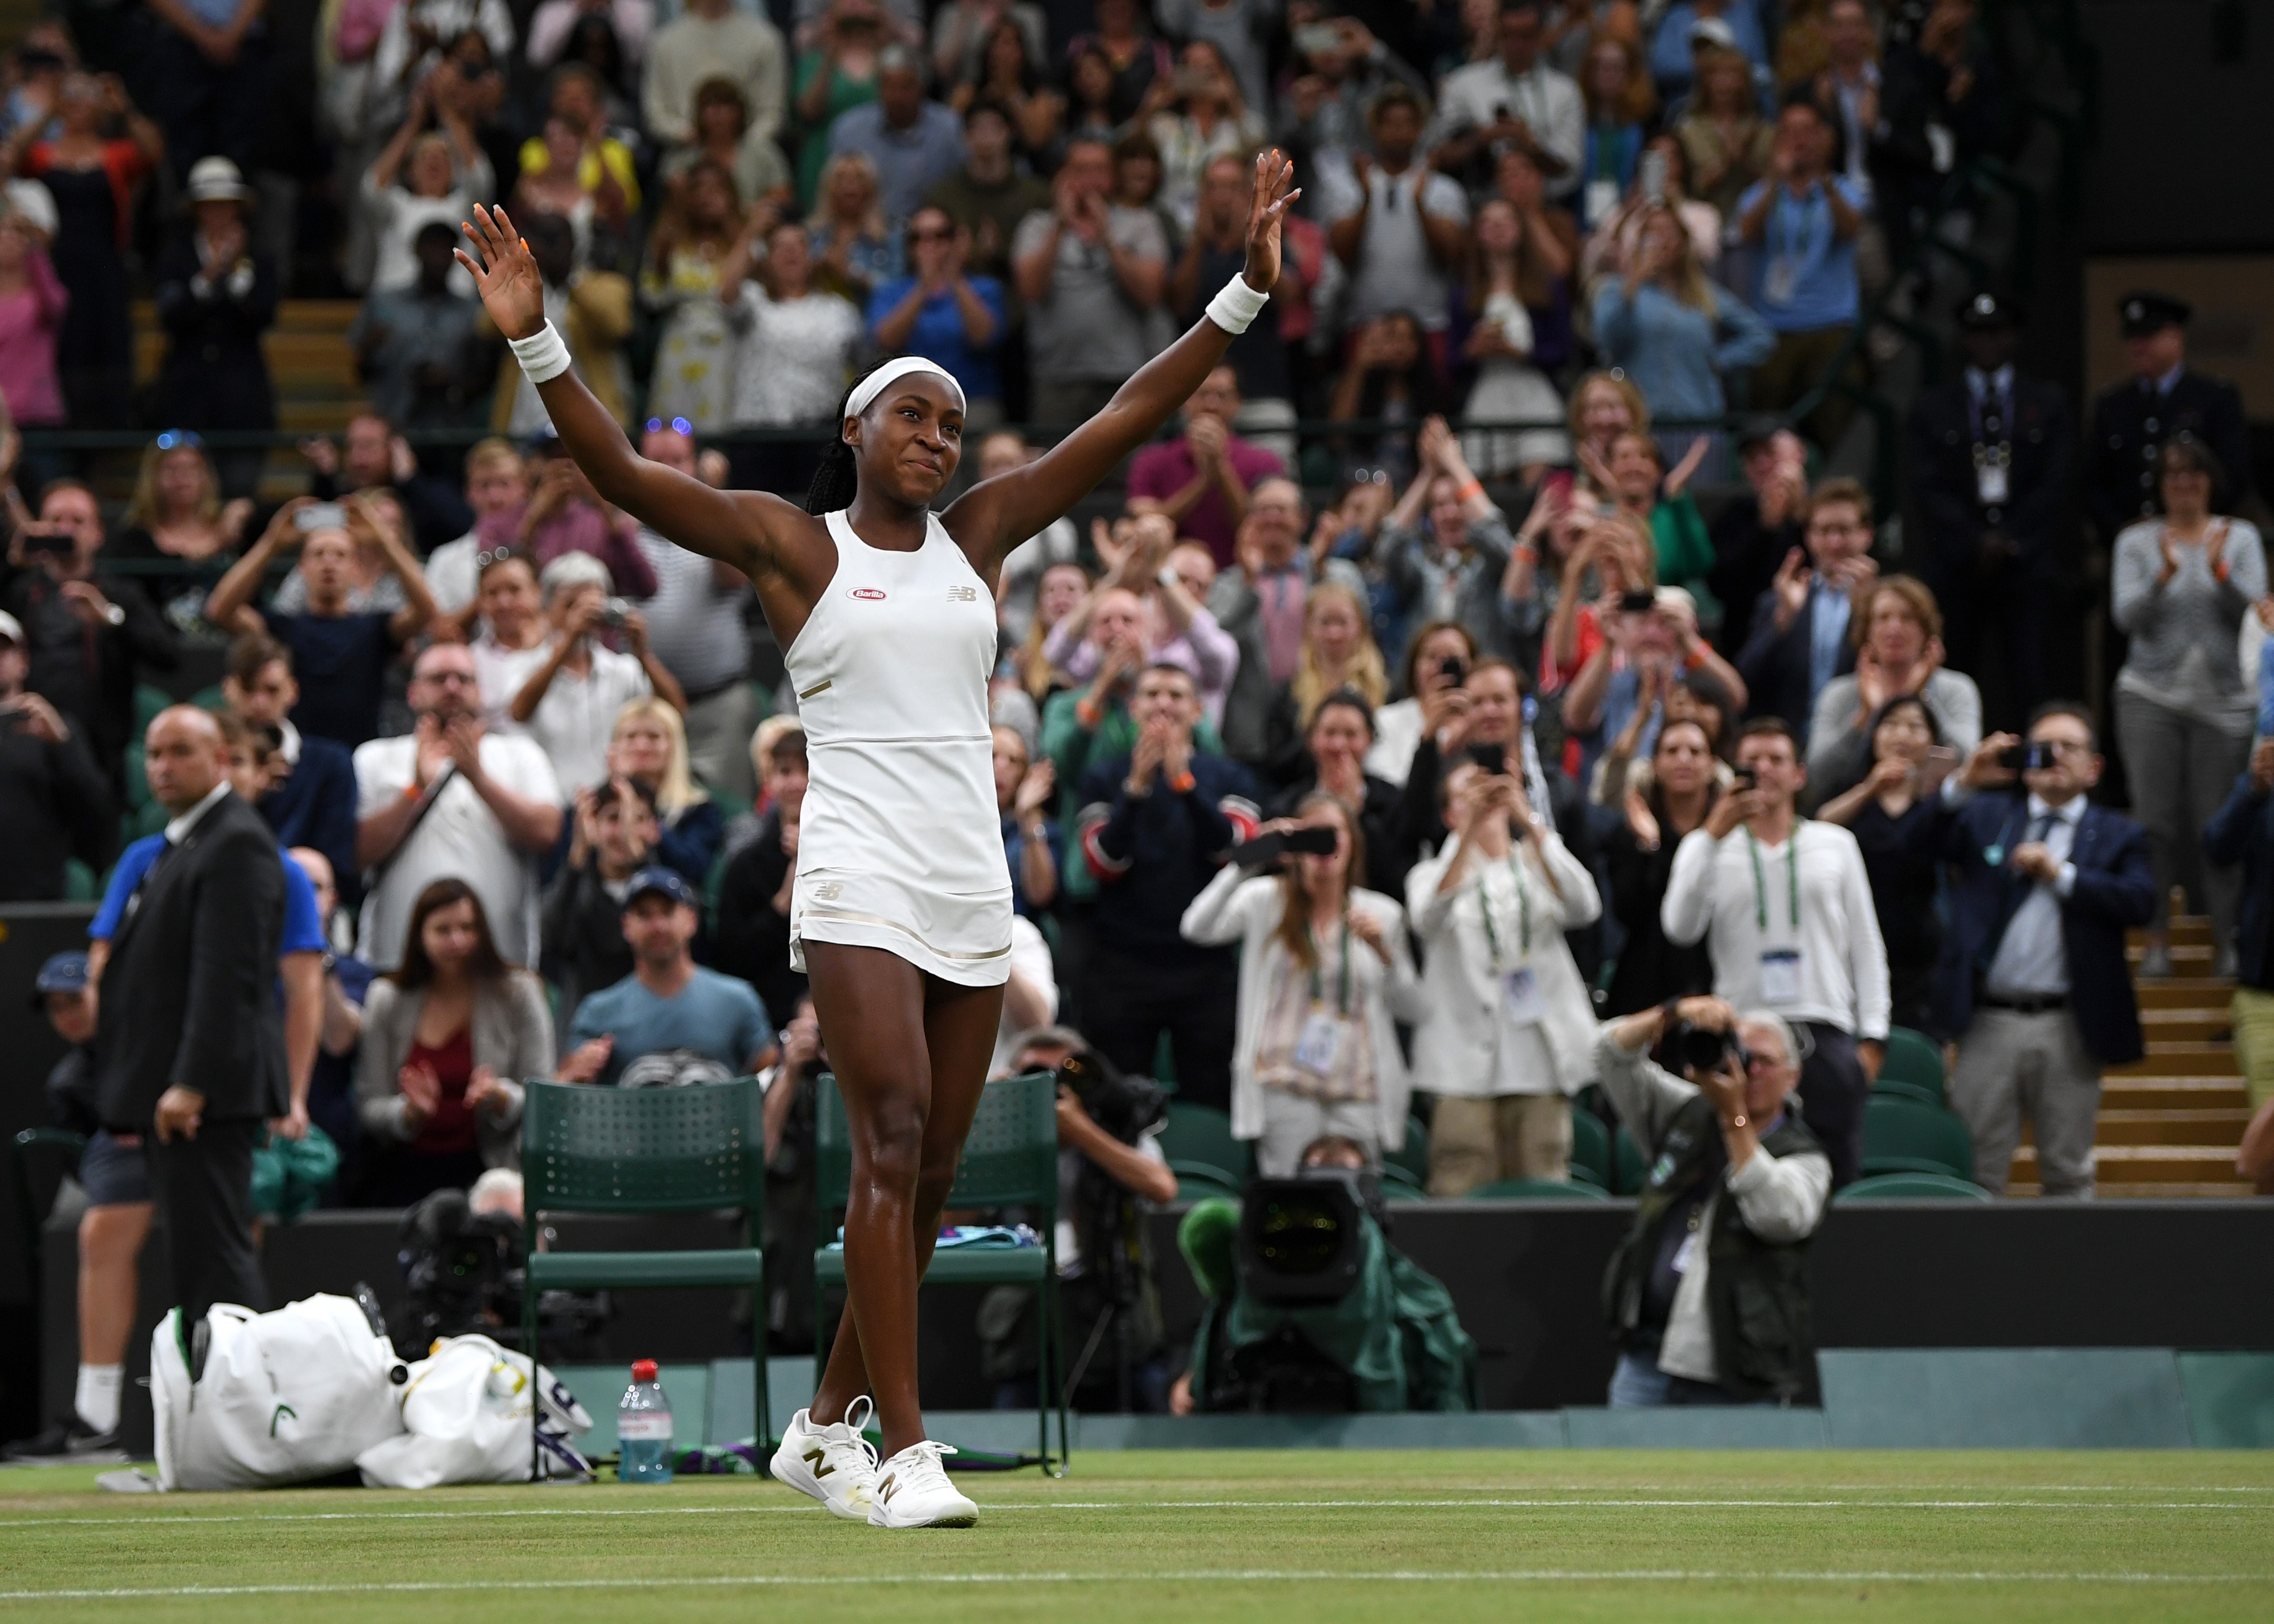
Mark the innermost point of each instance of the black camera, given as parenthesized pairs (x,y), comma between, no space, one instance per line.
(1742,779)
(1300,1243)
(1698,1048)
(462,1269)
(1453,670)
(2032,757)
(1492,758)
(1265,849)
(1641,601)
(1124,1105)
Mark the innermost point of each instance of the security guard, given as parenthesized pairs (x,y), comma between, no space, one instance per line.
(1989,460)
(2131,422)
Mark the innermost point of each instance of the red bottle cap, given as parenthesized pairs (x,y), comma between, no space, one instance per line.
(642,1369)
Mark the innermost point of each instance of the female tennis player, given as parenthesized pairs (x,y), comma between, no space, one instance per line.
(901,911)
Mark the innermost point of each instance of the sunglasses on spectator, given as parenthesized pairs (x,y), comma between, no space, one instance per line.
(678,426)
(173,437)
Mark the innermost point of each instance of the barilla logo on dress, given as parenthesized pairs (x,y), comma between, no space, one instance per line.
(869,594)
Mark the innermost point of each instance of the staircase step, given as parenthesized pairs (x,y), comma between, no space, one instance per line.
(2193,929)
(2166,1025)
(2189,958)
(2184,992)
(2150,1189)
(2219,1125)
(2155,1093)
(2192,1059)
(2125,1164)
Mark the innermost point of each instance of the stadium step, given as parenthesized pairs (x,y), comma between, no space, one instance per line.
(311,363)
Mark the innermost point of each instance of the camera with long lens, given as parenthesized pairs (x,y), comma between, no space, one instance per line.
(1701,1049)
(1124,1105)
(1300,1239)
(463,1272)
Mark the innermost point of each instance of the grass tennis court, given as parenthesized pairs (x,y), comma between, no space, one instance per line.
(1202,1534)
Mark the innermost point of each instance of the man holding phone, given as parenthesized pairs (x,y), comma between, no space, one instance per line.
(53,800)
(2033,981)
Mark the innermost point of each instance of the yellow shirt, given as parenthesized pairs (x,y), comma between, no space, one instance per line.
(612,153)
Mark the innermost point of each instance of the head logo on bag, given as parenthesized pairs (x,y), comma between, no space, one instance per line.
(283,1410)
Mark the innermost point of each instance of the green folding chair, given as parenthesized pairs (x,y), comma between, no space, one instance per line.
(1902,1135)
(1628,1169)
(1196,1141)
(1010,1158)
(1912,1187)
(1912,1067)
(1413,1155)
(1591,1147)
(1538,1189)
(698,1149)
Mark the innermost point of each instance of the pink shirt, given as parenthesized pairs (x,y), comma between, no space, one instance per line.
(29,322)
(577,527)
(1161,470)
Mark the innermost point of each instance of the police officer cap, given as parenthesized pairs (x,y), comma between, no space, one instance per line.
(2145,312)
(1986,312)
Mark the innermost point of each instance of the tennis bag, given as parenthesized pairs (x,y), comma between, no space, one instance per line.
(247,1400)
(466,1411)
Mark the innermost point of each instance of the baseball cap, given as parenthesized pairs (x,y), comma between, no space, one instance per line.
(668,881)
(64,972)
(1712,31)
(11,629)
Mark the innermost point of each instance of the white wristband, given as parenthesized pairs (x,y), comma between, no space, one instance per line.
(1237,306)
(542,355)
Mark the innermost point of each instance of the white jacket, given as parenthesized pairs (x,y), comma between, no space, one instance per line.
(1237,907)
(1456,1045)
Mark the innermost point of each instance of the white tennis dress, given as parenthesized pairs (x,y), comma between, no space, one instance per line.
(900,846)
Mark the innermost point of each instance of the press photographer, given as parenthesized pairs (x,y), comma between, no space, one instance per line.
(1708,1295)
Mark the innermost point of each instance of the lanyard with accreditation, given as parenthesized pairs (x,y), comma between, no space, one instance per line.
(1320,1046)
(1780,966)
(1520,985)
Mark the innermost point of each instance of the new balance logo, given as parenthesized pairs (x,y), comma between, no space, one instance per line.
(963,595)
(813,1458)
(884,1488)
(828,892)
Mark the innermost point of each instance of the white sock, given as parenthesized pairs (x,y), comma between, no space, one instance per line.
(97,1401)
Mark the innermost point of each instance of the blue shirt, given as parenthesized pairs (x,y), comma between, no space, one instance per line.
(1827,628)
(1798,235)
(1674,352)
(910,162)
(304,926)
(713,1014)
(1670,64)
(938,334)
(341,661)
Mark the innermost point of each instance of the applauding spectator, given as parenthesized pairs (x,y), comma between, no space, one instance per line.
(1671,329)
(444,175)
(1030,838)
(1403,235)
(584,910)
(216,296)
(1894,815)
(1208,117)
(1757,531)
(648,745)
(1640,856)
(1507,1032)
(1201,479)
(54,802)
(310,798)
(714,39)
(1324,977)
(1090,272)
(373,457)
(751,931)
(1450,570)
(1517,323)
(794,343)
(1139,614)
(702,223)
(32,302)
(1514,99)
(944,316)
(1726,143)
(1897,631)
(990,194)
(1799,640)
(447,1039)
(1804,221)
(571,698)
(914,142)
(670,1021)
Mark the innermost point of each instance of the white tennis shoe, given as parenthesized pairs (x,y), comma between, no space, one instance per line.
(834,1463)
(913,1490)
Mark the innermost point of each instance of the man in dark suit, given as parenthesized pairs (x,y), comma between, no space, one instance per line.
(191,1038)
(2163,398)
(1799,640)
(1989,460)
(2033,979)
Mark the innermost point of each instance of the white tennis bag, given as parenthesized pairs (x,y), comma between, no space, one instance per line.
(466,1412)
(282,1398)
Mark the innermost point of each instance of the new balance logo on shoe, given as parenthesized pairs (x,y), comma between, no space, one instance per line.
(813,1458)
(884,1488)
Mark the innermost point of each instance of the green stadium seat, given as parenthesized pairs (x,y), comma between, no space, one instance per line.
(1628,1169)
(1538,1189)
(1913,1067)
(1591,1148)
(1913,1187)
(1413,1157)
(1902,1135)
(1398,1190)
(1200,1136)
(1197,1182)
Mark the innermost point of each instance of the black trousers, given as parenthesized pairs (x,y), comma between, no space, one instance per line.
(1127,1002)
(1993,629)
(1832,1093)
(204,1191)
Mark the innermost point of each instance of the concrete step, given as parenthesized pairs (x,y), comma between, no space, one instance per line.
(2184,992)
(2152,1191)
(2220,1125)
(2127,1164)
(2189,958)
(2167,1025)
(2167,1094)
(2193,929)
(2190,1059)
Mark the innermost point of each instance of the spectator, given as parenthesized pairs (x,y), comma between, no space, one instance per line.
(1057,595)
(1618,691)
(33,304)
(1518,182)
(1451,571)
(415,347)
(1334,746)
(2184,710)
(963,38)
(2121,486)
(702,223)
(1621,108)
(55,801)
(1214,253)
(602,166)
(1682,787)
(1518,321)
(1531,588)
(450,799)
(447,1037)
(1727,146)
(1393,380)
(573,694)
(1739,1190)
(1323,106)
(564,174)
(1513,99)
(1940,105)
(1731,25)
(444,174)
(208,63)
(554,24)
(1610,248)
(1808,948)
(497,489)
(372,455)
(1893,814)
(593,310)
(583,917)
(310,797)
(1847,86)
(419,36)
(913,143)
(1403,237)
(1799,640)
(1671,329)
(1755,533)
(1006,70)
(1086,310)
(1030,564)
(1303,1066)
(1989,460)
(1201,479)
(216,296)
(2240,832)
(1143,619)
(713,39)
(1505,1035)
(1023,791)
(724,136)
(945,315)
(1206,117)
(347,980)
(2034,982)
(343,652)
(837,71)
(750,926)
(1805,219)
(512,643)
(94,182)
(989,196)
(176,517)
(566,515)
(89,633)
(1155,823)
(648,745)
(1483,720)
(695,626)
(796,342)
(1437,660)
(669,1021)
(1091,95)
(1897,631)
(1682,553)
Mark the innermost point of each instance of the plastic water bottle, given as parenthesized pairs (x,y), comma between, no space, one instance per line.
(643,1429)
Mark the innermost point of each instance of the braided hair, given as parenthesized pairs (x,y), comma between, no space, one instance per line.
(838,480)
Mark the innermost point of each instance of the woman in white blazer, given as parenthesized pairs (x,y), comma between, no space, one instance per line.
(1324,977)
(1507,1030)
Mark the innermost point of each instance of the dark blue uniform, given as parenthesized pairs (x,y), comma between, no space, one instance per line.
(2130,424)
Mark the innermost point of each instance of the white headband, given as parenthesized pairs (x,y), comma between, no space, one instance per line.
(873,385)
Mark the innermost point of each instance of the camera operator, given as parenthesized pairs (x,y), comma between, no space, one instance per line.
(1708,1295)
(1108,1163)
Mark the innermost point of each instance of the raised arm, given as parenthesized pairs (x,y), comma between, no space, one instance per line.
(1000,513)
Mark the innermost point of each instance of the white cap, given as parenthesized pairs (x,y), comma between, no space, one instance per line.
(35,202)
(217,179)
(11,629)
